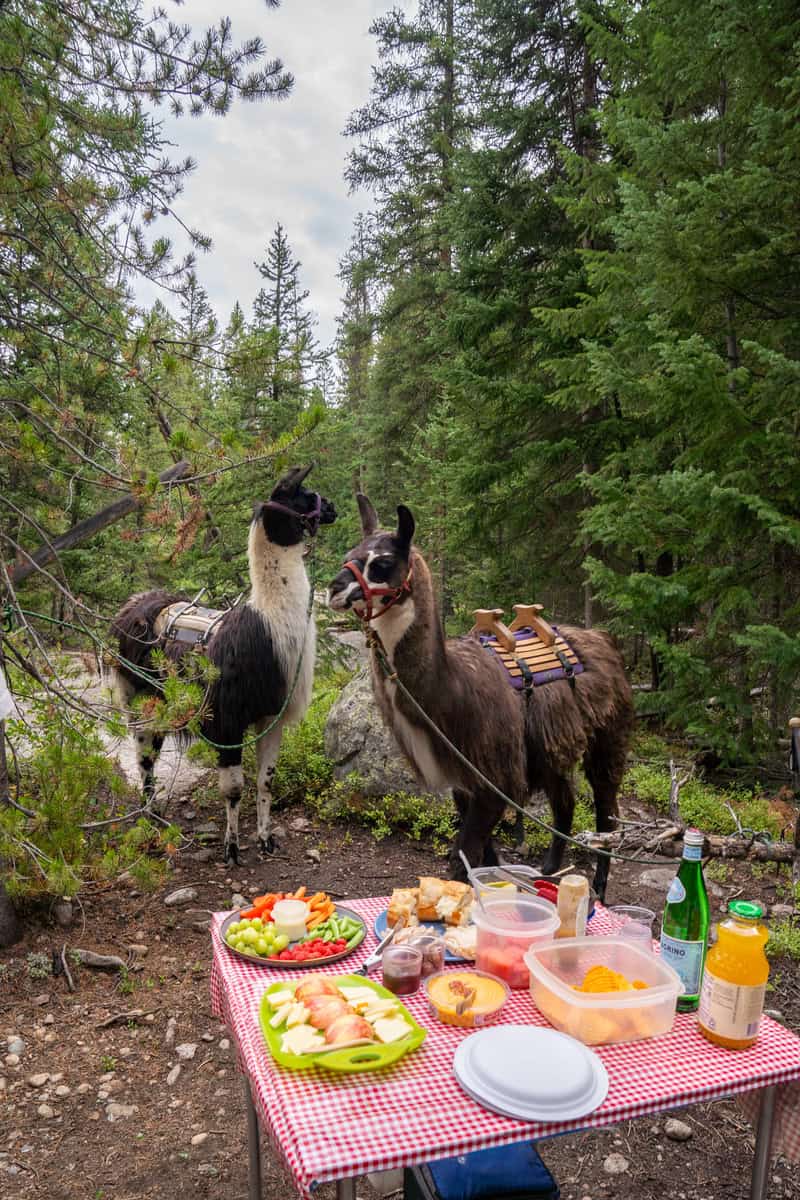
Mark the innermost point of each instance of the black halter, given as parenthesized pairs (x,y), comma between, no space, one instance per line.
(310,521)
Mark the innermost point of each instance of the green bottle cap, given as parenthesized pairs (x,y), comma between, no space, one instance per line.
(746,908)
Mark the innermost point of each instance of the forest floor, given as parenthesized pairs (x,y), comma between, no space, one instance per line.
(101,1122)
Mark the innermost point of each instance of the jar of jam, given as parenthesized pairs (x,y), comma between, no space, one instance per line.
(402,969)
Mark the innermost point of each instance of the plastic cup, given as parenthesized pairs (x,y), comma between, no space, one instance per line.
(402,969)
(637,924)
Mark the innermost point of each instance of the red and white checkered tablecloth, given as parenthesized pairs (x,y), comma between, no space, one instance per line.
(329,1126)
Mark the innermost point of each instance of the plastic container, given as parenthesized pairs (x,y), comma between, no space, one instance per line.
(402,969)
(493,886)
(289,917)
(601,1018)
(449,991)
(506,928)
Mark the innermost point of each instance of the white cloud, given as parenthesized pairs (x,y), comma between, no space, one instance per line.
(279,161)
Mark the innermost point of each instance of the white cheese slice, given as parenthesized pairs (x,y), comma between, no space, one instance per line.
(391,1029)
(381,1008)
(281,1015)
(301,1040)
(354,995)
(278,999)
(298,1015)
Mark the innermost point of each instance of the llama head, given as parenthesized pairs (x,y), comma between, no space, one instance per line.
(292,510)
(381,561)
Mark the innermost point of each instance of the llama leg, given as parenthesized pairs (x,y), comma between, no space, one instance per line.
(231,782)
(604,764)
(148,748)
(267,749)
(561,794)
(483,812)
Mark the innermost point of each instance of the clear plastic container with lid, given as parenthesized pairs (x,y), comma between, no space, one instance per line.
(506,928)
(735,979)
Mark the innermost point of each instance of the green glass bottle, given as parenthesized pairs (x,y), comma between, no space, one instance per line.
(684,927)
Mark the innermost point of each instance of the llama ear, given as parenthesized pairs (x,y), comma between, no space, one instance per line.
(294,477)
(405,525)
(369,518)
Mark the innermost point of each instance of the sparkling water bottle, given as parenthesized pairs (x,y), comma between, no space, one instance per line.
(684,927)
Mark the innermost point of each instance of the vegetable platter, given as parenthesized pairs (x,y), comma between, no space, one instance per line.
(355,1025)
(332,932)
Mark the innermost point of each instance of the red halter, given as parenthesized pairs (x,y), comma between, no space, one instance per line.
(368,592)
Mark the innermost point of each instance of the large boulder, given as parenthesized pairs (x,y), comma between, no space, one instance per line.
(356,739)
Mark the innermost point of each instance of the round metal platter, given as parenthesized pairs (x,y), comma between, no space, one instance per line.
(287,963)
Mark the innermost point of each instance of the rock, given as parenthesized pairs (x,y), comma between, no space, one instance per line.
(782,910)
(207,1169)
(37,1081)
(83,1088)
(64,913)
(356,739)
(16,1045)
(49,1038)
(94,1116)
(188,814)
(615,1164)
(679,1131)
(11,1060)
(49,1019)
(59,1075)
(103,1094)
(150,1018)
(137,948)
(200,1139)
(202,926)
(103,962)
(239,901)
(169,1032)
(658,878)
(224,1044)
(173,1075)
(62,1090)
(44,1110)
(207,1037)
(41,1000)
(776,1015)
(184,895)
(3,1083)
(299,824)
(314,855)
(186,1051)
(209,828)
(203,855)
(117,1112)
(278,831)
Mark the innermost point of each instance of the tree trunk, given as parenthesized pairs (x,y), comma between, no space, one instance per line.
(10,928)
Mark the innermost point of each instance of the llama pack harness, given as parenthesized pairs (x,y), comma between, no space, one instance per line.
(531,651)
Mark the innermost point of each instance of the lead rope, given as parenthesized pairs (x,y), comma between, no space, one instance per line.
(376,645)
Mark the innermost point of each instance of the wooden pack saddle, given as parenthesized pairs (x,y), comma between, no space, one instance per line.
(531,651)
(186,621)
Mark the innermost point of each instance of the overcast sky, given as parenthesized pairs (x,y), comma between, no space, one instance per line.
(279,160)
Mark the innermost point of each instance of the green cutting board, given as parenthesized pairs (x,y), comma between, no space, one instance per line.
(364,1057)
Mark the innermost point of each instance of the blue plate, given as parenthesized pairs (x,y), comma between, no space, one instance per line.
(380,927)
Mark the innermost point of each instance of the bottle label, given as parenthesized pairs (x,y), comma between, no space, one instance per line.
(686,958)
(730,1009)
(693,853)
(677,892)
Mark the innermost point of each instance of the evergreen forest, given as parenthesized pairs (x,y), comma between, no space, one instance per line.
(569,335)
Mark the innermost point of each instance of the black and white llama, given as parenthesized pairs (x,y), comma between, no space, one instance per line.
(255,647)
(519,745)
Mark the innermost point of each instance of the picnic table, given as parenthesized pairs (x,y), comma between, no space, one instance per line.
(328,1126)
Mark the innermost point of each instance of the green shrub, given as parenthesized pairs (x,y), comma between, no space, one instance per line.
(701,804)
(784,938)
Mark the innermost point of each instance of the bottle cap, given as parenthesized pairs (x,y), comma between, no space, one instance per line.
(693,837)
(746,908)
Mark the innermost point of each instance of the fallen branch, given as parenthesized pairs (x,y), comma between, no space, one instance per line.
(65,968)
(87,528)
(103,962)
(134,1014)
(670,844)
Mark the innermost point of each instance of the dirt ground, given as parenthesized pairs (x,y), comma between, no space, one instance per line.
(106,1125)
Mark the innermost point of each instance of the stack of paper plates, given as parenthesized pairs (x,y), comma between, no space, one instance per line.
(530,1073)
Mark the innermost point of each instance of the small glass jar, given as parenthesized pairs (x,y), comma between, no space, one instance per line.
(433,949)
(402,969)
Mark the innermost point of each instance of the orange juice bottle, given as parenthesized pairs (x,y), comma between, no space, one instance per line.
(735,979)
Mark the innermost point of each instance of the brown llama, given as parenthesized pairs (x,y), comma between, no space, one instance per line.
(259,648)
(519,744)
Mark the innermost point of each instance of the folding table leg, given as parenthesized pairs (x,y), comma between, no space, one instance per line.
(346,1189)
(758,1185)
(253,1147)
